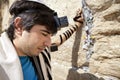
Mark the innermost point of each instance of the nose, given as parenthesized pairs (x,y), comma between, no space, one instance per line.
(47,42)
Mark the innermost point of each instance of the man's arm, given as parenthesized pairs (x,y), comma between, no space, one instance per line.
(59,39)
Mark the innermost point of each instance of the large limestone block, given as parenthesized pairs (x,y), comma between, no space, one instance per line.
(112,13)
(106,28)
(99,5)
(106,59)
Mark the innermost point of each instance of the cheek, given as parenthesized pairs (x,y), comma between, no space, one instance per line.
(34,41)
(31,40)
(37,40)
(32,46)
(34,37)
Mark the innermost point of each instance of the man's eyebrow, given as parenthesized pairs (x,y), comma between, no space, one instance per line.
(46,31)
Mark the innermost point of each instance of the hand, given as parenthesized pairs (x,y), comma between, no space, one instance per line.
(79,16)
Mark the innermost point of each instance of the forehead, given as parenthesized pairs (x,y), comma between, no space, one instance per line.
(40,28)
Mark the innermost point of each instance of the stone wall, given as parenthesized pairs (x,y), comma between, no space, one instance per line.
(5,4)
(68,63)
(106,60)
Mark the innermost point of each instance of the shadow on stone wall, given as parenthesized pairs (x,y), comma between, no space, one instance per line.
(74,75)
(76,47)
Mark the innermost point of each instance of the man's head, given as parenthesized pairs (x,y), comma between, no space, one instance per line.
(31,26)
(31,13)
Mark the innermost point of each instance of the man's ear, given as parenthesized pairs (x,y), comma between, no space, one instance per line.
(18,25)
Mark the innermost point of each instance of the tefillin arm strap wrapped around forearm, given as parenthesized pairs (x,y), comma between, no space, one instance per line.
(63,37)
(60,23)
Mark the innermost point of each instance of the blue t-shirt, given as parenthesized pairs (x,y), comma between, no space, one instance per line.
(28,69)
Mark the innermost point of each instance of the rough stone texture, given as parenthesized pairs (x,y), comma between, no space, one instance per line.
(105,62)
(69,63)
(0,20)
(106,59)
(5,13)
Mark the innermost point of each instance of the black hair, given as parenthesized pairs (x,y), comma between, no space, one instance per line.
(32,13)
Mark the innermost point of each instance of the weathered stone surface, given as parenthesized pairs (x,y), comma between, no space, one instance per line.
(99,5)
(69,61)
(106,60)
(5,13)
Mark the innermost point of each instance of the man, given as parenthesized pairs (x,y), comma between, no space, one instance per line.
(24,46)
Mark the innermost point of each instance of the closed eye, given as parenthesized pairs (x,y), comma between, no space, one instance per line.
(44,34)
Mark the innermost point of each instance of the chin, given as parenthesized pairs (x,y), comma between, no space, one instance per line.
(37,54)
(34,54)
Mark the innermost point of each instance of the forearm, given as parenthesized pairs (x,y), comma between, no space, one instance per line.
(67,34)
(58,40)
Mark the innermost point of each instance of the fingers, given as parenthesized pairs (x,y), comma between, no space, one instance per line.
(78,12)
(78,17)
